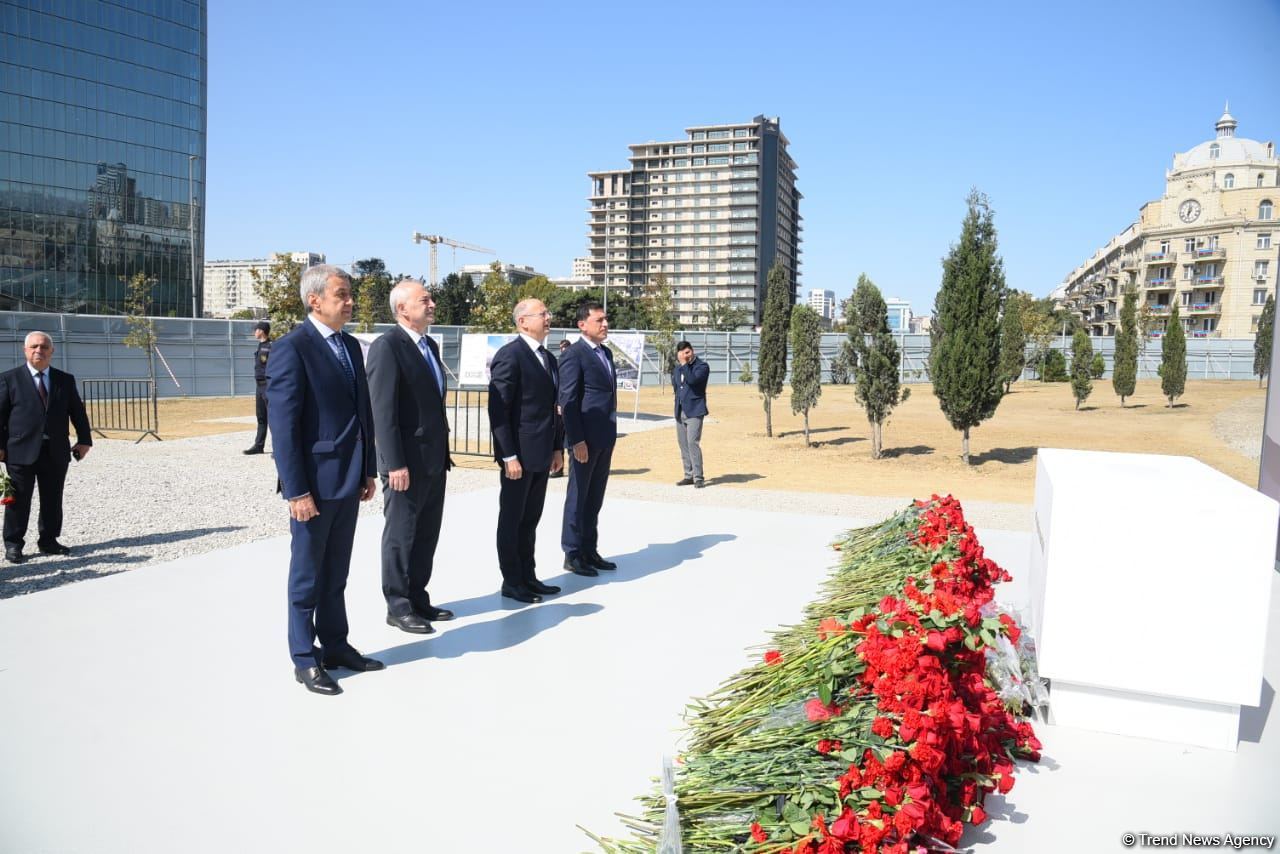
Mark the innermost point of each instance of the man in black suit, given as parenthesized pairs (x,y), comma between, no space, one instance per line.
(527,435)
(37,403)
(589,401)
(262,332)
(322,433)
(407,388)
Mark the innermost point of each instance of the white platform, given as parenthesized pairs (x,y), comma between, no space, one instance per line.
(155,711)
(1150,584)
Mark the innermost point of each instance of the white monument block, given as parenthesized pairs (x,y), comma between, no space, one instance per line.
(1150,581)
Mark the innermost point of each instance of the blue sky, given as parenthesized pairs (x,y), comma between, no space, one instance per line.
(344,127)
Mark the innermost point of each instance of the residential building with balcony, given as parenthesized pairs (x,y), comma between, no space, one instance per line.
(711,212)
(1208,245)
(228,285)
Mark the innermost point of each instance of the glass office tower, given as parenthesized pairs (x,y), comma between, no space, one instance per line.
(102,104)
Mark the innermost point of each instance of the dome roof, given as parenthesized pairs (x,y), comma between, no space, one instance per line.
(1229,147)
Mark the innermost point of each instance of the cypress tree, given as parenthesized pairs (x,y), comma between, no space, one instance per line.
(1124,376)
(877,385)
(1081,364)
(965,358)
(806,362)
(773,341)
(1262,340)
(1173,360)
(1013,342)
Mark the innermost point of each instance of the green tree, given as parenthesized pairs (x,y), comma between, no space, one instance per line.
(746,376)
(1262,340)
(243,314)
(492,313)
(1038,330)
(454,296)
(1054,367)
(965,358)
(1098,366)
(806,363)
(723,316)
(371,285)
(1147,322)
(142,329)
(1013,340)
(1124,374)
(876,375)
(846,361)
(1081,361)
(660,316)
(778,301)
(1173,359)
(279,288)
(539,288)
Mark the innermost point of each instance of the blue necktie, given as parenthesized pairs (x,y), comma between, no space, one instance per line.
(340,350)
(605,361)
(435,369)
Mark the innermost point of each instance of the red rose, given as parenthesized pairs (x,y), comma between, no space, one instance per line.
(7,500)
(772,657)
(757,832)
(936,641)
(1005,783)
(846,826)
(815,711)
(978,816)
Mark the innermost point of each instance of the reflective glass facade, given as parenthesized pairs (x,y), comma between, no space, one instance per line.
(101,104)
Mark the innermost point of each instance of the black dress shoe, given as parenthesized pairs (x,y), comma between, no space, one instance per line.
(520,594)
(578,566)
(598,562)
(316,680)
(254,450)
(440,614)
(14,555)
(411,623)
(352,660)
(542,589)
(684,481)
(557,473)
(53,548)
(698,484)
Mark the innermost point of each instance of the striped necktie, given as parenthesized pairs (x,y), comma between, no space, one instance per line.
(435,368)
(340,350)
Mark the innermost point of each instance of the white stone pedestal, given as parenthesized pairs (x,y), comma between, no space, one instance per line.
(1150,580)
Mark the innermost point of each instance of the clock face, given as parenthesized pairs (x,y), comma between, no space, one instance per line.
(1189,210)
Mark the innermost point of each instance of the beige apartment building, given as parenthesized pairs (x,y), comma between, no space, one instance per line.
(1209,245)
(228,285)
(712,212)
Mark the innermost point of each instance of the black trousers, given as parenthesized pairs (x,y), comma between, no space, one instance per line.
(519,511)
(582,501)
(410,531)
(49,474)
(260,440)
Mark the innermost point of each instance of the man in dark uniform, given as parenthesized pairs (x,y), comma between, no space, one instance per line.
(261,331)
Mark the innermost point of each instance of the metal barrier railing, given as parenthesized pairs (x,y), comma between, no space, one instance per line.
(122,406)
(468,410)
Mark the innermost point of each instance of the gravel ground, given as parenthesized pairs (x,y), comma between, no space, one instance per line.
(129,505)
(1240,426)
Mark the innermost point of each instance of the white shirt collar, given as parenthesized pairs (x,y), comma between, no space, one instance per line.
(533,343)
(413,333)
(34,371)
(320,327)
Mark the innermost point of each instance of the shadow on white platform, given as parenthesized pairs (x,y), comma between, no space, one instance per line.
(155,710)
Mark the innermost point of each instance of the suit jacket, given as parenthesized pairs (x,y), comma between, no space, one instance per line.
(323,436)
(589,396)
(522,407)
(690,382)
(24,419)
(408,406)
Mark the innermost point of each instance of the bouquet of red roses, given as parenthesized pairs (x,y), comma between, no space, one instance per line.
(6,489)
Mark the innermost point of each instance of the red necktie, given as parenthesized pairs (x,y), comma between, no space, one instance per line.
(44,394)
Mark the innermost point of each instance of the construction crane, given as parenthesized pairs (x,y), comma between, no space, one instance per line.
(435,239)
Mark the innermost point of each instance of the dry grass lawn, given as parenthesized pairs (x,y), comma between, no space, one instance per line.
(922,452)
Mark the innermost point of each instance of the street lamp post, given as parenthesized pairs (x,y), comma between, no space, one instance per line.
(191,225)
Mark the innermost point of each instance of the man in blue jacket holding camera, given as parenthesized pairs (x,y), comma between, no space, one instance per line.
(690,381)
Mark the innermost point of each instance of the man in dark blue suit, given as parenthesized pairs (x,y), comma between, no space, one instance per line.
(527,438)
(589,401)
(322,431)
(690,383)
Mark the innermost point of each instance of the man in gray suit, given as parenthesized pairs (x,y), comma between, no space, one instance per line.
(407,387)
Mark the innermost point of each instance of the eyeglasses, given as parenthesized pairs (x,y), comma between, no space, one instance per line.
(539,314)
